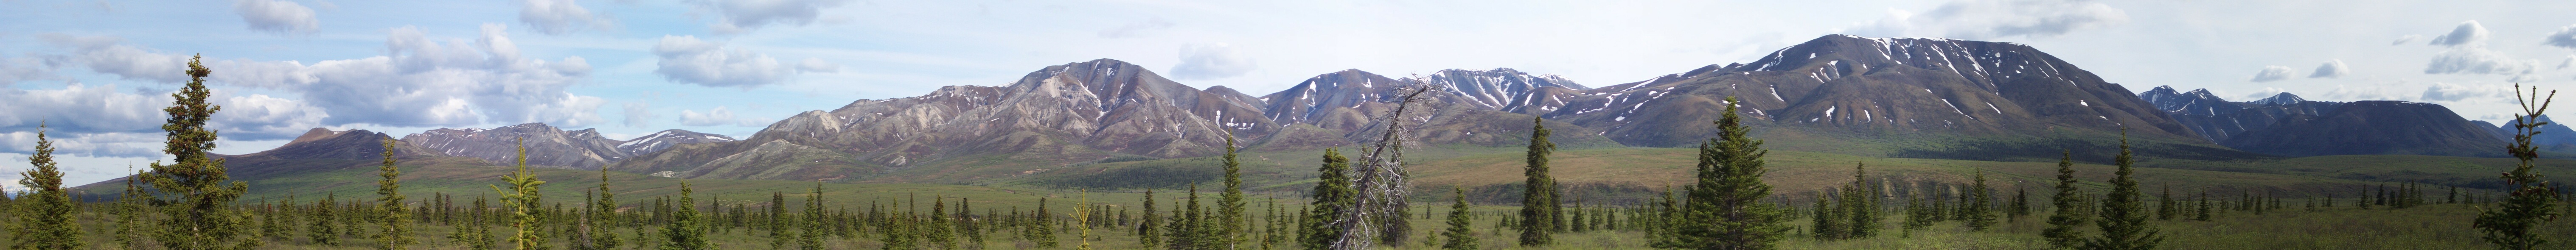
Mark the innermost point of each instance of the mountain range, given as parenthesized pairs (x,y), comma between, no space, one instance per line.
(1879,97)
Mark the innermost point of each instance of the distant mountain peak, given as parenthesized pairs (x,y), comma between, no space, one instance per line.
(2285,98)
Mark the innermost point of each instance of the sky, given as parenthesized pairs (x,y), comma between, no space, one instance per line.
(96,72)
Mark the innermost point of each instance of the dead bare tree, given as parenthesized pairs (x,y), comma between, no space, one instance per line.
(1381,185)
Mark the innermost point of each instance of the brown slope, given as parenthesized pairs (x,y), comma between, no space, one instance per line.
(1061,114)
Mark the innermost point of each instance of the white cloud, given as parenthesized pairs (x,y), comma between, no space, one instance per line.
(686,59)
(280,17)
(817,65)
(2266,92)
(1136,29)
(2402,40)
(738,16)
(2456,92)
(79,108)
(1211,61)
(2350,93)
(135,145)
(261,117)
(2478,60)
(716,117)
(419,82)
(557,17)
(639,114)
(2332,69)
(1987,19)
(2564,38)
(2570,61)
(2273,73)
(19,69)
(2467,33)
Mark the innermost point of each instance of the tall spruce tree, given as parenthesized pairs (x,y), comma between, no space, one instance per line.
(1538,194)
(1979,211)
(2511,223)
(1229,205)
(604,220)
(686,230)
(396,221)
(129,215)
(1041,226)
(777,223)
(326,228)
(523,203)
(1725,208)
(939,231)
(2020,205)
(811,236)
(1149,230)
(2165,205)
(1332,194)
(199,196)
(1861,202)
(2062,225)
(45,211)
(1462,231)
(2124,211)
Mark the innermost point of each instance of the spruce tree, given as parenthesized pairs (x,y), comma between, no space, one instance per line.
(1462,231)
(1040,228)
(2203,213)
(1827,219)
(1861,201)
(396,234)
(1725,208)
(1229,220)
(1148,231)
(939,230)
(777,224)
(971,227)
(2124,211)
(2062,231)
(45,212)
(523,203)
(604,220)
(2511,223)
(1188,230)
(1332,194)
(686,229)
(811,236)
(2165,205)
(198,213)
(326,227)
(129,215)
(1538,195)
(1979,212)
(2020,204)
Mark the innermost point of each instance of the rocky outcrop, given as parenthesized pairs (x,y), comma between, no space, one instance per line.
(549,146)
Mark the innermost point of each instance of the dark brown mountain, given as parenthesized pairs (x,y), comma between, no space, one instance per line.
(1472,108)
(1906,97)
(2374,127)
(317,150)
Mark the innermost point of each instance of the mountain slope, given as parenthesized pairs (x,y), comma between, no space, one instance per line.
(2374,127)
(2218,119)
(551,147)
(1916,94)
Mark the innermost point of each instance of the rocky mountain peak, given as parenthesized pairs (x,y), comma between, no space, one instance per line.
(1506,89)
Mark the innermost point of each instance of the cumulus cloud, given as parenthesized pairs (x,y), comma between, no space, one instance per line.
(261,117)
(2273,73)
(557,17)
(1211,61)
(277,16)
(2456,92)
(2402,40)
(135,145)
(2468,33)
(2564,38)
(639,114)
(2332,69)
(79,108)
(1985,19)
(716,117)
(420,81)
(1136,29)
(2478,60)
(686,59)
(737,16)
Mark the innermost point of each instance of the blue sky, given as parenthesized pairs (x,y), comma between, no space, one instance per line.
(98,70)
